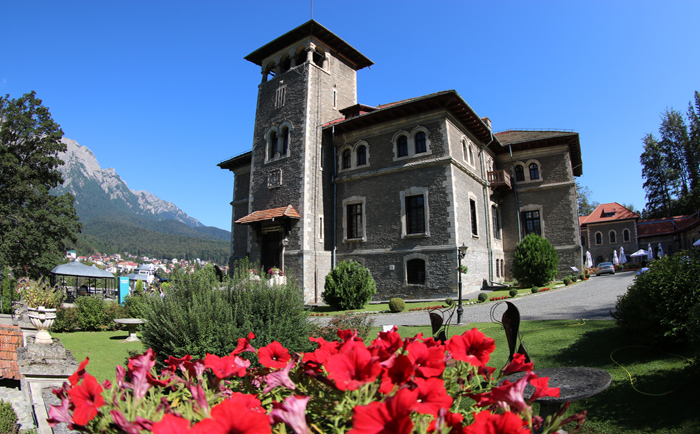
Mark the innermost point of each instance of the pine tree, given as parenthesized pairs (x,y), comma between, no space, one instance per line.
(658,182)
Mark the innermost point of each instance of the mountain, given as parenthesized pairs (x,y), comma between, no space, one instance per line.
(115,217)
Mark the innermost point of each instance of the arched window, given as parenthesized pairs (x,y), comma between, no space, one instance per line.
(273,144)
(471,155)
(498,269)
(362,155)
(519,173)
(503,268)
(534,171)
(612,237)
(285,141)
(346,159)
(402,146)
(285,63)
(465,153)
(420,142)
(626,235)
(598,238)
(415,272)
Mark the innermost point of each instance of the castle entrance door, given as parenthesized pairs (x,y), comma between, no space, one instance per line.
(271,249)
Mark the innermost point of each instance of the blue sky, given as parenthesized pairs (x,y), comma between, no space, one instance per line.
(160,91)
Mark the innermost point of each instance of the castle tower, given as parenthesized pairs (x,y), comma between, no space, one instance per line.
(308,75)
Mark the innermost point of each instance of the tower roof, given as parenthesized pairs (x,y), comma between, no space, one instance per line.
(310,28)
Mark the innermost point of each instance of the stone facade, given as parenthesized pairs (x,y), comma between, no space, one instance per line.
(396,187)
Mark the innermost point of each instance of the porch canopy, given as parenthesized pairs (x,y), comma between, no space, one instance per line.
(269,214)
(81,271)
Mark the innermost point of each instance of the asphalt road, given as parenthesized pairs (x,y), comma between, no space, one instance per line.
(590,300)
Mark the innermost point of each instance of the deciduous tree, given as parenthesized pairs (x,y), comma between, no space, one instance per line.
(585,205)
(34,225)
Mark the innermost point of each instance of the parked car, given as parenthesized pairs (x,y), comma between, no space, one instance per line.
(605,268)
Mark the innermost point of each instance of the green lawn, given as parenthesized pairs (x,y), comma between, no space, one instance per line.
(659,401)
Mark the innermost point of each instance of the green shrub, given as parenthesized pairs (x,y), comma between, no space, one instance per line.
(573,277)
(138,287)
(134,305)
(362,323)
(581,277)
(449,301)
(535,262)
(349,286)
(8,292)
(483,297)
(535,290)
(66,320)
(567,281)
(662,303)
(201,315)
(513,292)
(8,419)
(91,313)
(112,312)
(397,305)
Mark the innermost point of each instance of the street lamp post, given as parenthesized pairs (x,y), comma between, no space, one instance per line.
(461,253)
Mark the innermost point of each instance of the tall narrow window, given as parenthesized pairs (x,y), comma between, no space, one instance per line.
(471,155)
(273,145)
(472,208)
(420,142)
(415,214)
(496,223)
(415,272)
(531,222)
(465,153)
(519,173)
(498,269)
(598,238)
(361,155)
(626,235)
(346,159)
(534,171)
(402,146)
(355,228)
(335,98)
(280,96)
(285,140)
(612,237)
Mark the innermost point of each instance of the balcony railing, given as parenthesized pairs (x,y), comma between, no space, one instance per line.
(499,180)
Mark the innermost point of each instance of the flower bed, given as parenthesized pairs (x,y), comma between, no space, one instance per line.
(390,385)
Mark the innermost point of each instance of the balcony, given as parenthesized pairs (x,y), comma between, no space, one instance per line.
(499,180)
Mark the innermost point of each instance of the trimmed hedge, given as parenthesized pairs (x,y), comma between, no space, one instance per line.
(397,305)
(535,262)
(349,286)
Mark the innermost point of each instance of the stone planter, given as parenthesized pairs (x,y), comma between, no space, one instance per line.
(42,318)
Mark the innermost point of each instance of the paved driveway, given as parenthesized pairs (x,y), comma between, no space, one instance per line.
(591,300)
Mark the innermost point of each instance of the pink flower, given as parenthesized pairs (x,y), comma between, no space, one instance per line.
(292,412)
(280,378)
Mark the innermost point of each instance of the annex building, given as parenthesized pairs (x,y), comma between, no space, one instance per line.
(397,187)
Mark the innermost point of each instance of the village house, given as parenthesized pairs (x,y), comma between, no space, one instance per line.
(398,187)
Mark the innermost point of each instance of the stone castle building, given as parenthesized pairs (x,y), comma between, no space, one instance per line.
(397,187)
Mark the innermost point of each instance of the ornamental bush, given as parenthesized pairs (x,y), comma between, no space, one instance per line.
(513,292)
(567,281)
(535,290)
(535,262)
(349,286)
(200,315)
(8,418)
(660,304)
(483,297)
(91,313)
(397,305)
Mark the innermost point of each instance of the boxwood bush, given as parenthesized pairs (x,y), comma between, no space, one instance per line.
(535,262)
(397,305)
(349,285)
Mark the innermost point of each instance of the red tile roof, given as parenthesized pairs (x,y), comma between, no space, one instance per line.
(655,227)
(10,340)
(269,214)
(598,215)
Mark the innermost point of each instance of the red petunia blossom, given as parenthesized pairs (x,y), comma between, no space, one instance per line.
(400,371)
(174,362)
(392,416)
(508,396)
(231,417)
(432,396)
(541,388)
(472,347)
(447,419)
(138,370)
(87,398)
(274,356)
(244,345)
(517,365)
(251,402)
(506,423)
(352,367)
(325,349)
(348,335)
(428,361)
(224,367)
(390,341)
(171,424)
(79,373)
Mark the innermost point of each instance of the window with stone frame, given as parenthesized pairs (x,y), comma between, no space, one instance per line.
(285,141)
(496,223)
(626,235)
(598,238)
(402,146)
(361,155)
(420,142)
(534,171)
(346,159)
(415,214)
(519,173)
(415,272)
(472,210)
(355,228)
(613,237)
(531,222)
(273,145)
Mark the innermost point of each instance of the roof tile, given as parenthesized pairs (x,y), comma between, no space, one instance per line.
(269,214)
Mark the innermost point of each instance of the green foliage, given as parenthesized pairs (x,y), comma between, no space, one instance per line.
(585,205)
(8,292)
(513,292)
(35,224)
(581,277)
(567,281)
(449,301)
(349,286)
(483,297)
(361,323)
(573,278)
(397,305)
(66,320)
(135,305)
(40,293)
(535,262)
(535,290)
(138,287)
(113,311)
(201,315)
(656,306)
(91,313)
(8,419)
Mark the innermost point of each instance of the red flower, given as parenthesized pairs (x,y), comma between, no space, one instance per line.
(432,396)
(487,423)
(274,356)
(171,424)
(79,373)
(244,344)
(400,371)
(446,419)
(230,417)
(224,367)
(517,365)
(86,398)
(325,349)
(389,417)
(471,347)
(541,389)
(352,367)
(428,361)
(251,402)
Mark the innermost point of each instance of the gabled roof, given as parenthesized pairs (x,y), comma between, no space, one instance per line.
(523,140)
(311,28)
(599,214)
(269,214)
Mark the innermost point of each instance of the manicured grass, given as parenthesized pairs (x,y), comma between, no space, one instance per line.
(382,307)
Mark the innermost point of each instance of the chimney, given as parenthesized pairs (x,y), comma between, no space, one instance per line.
(487,121)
